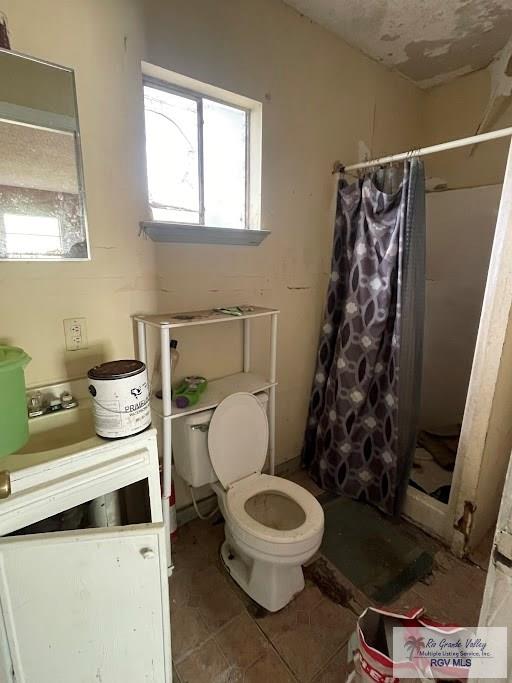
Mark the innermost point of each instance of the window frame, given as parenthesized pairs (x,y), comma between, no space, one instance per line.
(198,97)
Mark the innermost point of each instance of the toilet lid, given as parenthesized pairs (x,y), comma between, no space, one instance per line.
(238,438)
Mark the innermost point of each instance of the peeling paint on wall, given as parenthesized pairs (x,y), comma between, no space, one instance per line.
(465,523)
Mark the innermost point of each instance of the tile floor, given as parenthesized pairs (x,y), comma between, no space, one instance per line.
(218,636)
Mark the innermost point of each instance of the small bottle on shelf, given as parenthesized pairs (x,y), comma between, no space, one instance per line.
(175,355)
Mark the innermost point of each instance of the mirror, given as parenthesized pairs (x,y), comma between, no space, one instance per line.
(42,207)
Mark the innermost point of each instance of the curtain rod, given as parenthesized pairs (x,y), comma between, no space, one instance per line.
(423,151)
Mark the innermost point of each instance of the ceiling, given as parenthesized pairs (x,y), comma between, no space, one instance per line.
(428,41)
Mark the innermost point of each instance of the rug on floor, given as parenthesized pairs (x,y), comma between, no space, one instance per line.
(380,556)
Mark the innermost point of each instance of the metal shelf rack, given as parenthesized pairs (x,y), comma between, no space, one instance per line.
(217,390)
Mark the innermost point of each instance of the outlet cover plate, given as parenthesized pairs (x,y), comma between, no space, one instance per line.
(75,333)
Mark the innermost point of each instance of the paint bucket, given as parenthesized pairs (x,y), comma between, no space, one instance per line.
(120,398)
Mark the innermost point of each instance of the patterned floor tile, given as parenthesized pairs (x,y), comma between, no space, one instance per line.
(336,669)
(242,642)
(207,665)
(268,669)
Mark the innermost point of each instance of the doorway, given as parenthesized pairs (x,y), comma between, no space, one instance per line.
(459,236)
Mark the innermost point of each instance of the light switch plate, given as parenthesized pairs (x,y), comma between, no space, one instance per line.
(75,332)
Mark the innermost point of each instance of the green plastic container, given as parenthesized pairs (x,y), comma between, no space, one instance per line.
(13,406)
(189,391)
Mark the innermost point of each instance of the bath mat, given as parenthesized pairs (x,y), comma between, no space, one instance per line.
(381,557)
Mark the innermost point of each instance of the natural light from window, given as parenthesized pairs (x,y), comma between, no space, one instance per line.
(197,159)
(25,235)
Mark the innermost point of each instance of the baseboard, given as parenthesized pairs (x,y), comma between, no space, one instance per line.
(283,469)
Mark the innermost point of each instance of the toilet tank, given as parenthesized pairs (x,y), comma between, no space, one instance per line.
(190,446)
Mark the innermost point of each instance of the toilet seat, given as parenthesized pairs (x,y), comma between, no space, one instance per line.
(240,492)
(238,438)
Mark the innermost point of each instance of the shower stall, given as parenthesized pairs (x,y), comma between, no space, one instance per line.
(460,227)
(454,475)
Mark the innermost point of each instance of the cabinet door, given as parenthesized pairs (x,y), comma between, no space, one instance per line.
(85,606)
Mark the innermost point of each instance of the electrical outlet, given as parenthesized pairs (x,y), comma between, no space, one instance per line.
(75,332)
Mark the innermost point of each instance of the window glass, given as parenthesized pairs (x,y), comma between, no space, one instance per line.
(224,142)
(172,155)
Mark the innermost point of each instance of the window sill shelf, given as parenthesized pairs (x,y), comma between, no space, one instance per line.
(162,231)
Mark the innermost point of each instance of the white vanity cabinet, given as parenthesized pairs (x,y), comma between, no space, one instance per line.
(87,605)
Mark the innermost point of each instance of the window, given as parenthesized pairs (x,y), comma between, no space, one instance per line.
(26,235)
(197,151)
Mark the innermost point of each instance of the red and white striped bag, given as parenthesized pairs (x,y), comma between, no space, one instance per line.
(372,646)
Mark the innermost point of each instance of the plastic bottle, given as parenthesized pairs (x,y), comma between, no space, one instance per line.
(189,391)
(175,355)
(156,380)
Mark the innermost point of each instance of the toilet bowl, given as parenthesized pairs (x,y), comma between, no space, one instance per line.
(272,525)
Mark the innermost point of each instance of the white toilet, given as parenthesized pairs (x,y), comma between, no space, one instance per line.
(273,526)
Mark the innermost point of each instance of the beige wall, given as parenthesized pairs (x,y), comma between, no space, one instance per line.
(460,231)
(103,43)
(320,99)
(454,110)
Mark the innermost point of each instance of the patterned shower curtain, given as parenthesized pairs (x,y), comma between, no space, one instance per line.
(361,429)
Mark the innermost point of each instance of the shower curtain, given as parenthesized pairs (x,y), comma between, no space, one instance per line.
(361,429)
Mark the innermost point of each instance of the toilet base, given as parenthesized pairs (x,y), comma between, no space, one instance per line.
(270,585)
